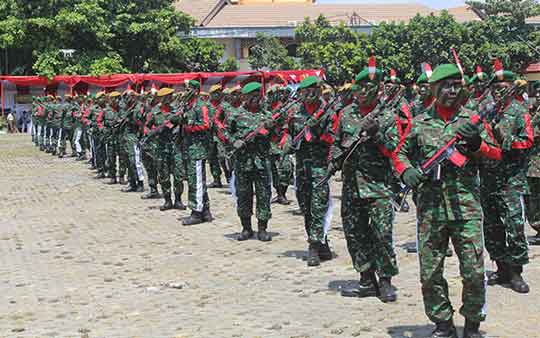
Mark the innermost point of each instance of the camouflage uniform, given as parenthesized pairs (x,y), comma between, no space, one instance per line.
(532,200)
(503,185)
(251,163)
(312,167)
(447,208)
(67,127)
(366,210)
(197,137)
(149,152)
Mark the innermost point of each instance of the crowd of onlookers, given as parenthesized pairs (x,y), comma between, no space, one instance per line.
(12,122)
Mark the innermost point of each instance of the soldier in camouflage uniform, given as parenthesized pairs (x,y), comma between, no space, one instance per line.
(448,204)
(532,200)
(196,131)
(503,186)
(169,161)
(111,120)
(366,209)
(424,100)
(67,126)
(216,96)
(149,148)
(282,164)
(98,134)
(49,113)
(248,130)
(309,134)
(41,118)
(78,126)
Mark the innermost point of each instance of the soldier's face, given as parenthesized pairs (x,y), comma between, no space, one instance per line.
(312,94)
(424,90)
(498,89)
(166,100)
(253,99)
(366,93)
(216,96)
(447,92)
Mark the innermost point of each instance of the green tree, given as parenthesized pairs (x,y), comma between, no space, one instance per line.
(269,53)
(107,36)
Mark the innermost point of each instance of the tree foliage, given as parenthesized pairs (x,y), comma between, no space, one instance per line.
(268,53)
(107,36)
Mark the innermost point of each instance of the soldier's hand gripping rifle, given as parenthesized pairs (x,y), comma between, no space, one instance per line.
(265,124)
(449,152)
(337,103)
(352,143)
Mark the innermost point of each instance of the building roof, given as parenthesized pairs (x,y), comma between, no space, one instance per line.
(289,14)
(198,9)
(463,14)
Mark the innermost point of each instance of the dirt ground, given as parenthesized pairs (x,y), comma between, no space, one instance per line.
(78,258)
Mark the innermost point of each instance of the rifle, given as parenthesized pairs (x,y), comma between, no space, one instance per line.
(361,137)
(336,103)
(251,135)
(449,152)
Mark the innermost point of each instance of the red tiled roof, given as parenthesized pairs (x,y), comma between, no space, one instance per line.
(198,9)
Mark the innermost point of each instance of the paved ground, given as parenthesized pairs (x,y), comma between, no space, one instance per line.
(78,259)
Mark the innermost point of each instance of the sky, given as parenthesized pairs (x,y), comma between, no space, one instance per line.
(432,3)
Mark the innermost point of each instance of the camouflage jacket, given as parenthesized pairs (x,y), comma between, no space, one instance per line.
(243,122)
(455,195)
(511,130)
(67,117)
(369,165)
(315,144)
(196,129)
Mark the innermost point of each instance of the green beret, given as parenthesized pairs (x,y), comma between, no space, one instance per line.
(308,82)
(467,80)
(364,75)
(445,71)
(508,76)
(477,78)
(251,87)
(397,80)
(422,79)
(194,84)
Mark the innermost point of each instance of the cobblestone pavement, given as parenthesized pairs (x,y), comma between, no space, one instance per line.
(81,259)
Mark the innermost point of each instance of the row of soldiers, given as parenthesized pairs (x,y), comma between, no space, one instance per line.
(466,147)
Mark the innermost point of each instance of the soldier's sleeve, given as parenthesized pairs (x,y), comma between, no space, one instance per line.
(336,152)
(522,136)
(201,124)
(229,128)
(402,159)
(328,132)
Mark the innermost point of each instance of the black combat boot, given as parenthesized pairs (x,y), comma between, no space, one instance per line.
(263,235)
(80,157)
(178,202)
(112,181)
(247,230)
(152,194)
(516,280)
(501,276)
(196,217)
(53,152)
(472,330)
(132,187)
(387,294)
(207,215)
(367,286)
(168,205)
(216,184)
(100,175)
(444,330)
(325,253)
(122,180)
(282,196)
(140,186)
(313,254)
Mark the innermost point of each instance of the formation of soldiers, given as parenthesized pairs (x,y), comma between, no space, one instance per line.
(467,148)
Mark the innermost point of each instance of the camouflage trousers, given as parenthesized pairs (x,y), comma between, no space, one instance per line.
(314,201)
(66,134)
(433,237)
(213,161)
(149,159)
(54,133)
(368,224)
(282,171)
(114,152)
(504,227)
(133,151)
(170,162)
(532,203)
(197,190)
(246,182)
(100,154)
